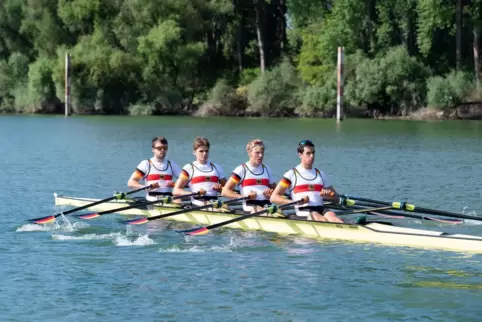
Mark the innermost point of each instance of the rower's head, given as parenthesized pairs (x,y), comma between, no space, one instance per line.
(306,152)
(159,147)
(255,149)
(201,149)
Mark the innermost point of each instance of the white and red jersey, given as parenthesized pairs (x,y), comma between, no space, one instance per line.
(256,179)
(203,176)
(303,182)
(153,171)
(250,178)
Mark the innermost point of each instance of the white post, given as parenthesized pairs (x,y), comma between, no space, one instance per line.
(339,96)
(67,84)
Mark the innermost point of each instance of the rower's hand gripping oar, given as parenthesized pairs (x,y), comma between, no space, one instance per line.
(212,204)
(412,208)
(118,196)
(167,199)
(269,209)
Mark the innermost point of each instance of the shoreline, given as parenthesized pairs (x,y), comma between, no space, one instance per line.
(465,112)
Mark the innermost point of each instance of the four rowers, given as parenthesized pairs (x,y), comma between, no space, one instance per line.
(253,178)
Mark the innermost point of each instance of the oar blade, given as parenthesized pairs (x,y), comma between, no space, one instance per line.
(446,221)
(88,216)
(139,221)
(42,220)
(194,231)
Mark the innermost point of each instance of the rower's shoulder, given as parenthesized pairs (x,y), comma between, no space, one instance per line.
(239,168)
(289,173)
(143,163)
(188,167)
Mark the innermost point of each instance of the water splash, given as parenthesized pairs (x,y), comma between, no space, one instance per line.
(63,225)
(196,249)
(465,211)
(111,236)
(118,239)
(142,240)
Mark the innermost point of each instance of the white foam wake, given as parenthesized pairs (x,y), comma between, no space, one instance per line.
(118,239)
(66,226)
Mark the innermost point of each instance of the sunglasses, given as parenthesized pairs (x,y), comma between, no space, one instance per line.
(305,142)
(160,148)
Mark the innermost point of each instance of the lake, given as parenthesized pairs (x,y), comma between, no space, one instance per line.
(101,270)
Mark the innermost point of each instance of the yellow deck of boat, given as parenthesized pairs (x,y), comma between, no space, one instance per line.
(369,233)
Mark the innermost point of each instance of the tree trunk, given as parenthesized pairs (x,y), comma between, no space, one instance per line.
(458,50)
(475,45)
(258,7)
(239,37)
(282,25)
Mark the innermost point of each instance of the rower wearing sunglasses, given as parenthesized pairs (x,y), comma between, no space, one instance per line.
(254,179)
(305,180)
(157,169)
(201,175)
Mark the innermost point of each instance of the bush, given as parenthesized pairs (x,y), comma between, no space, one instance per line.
(140,109)
(41,87)
(393,83)
(275,92)
(449,91)
(223,101)
(318,100)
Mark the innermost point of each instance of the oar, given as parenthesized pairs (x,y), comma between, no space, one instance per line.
(164,200)
(412,208)
(270,210)
(356,211)
(214,204)
(118,196)
(390,214)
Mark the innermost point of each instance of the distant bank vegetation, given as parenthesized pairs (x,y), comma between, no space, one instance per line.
(257,57)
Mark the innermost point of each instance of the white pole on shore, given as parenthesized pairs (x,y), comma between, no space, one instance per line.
(67,84)
(339,96)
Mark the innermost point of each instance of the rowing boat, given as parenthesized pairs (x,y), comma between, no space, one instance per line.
(367,233)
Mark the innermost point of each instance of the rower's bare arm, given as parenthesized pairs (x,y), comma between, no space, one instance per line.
(134,181)
(228,190)
(178,189)
(277,196)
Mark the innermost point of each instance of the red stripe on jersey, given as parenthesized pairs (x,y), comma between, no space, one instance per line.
(308,187)
(152,177)
(255,182)
(200,179)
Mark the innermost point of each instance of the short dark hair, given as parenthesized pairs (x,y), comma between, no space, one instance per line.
(159,139)
(302,144)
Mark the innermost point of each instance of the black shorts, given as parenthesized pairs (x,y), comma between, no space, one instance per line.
(206,198)
(318,209)
(155,194)
(260,203)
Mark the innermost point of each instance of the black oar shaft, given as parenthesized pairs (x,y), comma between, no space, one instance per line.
(179,212)
(356,211)
(142,204)
(98,202)
(412,208)
(271,208)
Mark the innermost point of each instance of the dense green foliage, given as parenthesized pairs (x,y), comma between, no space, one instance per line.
(237,57)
